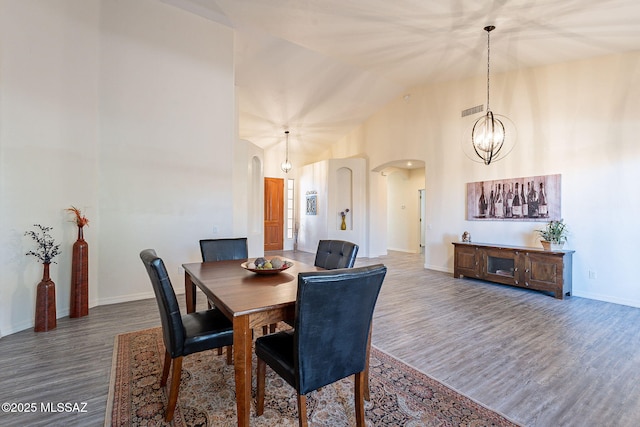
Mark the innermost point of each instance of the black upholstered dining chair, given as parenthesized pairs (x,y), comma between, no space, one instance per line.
(330,337)
(332,254)
(183,334)
(223,249)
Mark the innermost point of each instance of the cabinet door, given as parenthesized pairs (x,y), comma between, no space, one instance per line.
(500,266)
(543,271)
(466,261)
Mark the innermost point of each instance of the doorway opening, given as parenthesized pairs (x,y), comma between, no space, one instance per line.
(405,213)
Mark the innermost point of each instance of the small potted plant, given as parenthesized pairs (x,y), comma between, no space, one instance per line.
(553,235)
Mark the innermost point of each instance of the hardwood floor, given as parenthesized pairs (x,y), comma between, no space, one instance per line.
(540,361)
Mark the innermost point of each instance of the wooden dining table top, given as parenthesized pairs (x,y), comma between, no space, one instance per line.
(238,291)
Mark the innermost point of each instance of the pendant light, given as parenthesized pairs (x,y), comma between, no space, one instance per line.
(286,165)
(490,138)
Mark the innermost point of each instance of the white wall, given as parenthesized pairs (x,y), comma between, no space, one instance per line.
(313,178)
(377,210)
(248,197)
(323,179)
(580,119)
(167,135)
(125,110)
(49,92)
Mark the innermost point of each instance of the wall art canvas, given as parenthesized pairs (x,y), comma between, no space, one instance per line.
(312,203)
(533,198)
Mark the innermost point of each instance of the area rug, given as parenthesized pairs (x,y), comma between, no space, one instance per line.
(400,395)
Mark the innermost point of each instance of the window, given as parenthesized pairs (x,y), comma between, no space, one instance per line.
(290,209)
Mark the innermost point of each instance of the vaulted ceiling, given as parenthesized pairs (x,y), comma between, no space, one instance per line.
(321,67)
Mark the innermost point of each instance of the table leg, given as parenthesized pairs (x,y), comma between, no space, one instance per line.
(190,293)
(242,364)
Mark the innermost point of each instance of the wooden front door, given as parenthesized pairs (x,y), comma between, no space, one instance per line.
(273,214)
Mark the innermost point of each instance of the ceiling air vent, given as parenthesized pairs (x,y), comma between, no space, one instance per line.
(472,110)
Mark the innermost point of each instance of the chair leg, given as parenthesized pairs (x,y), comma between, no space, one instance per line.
(367,391)
(210,306)
(175,387)
(165,369)
(302,410)
(260,374)
(359,391)
(229,354)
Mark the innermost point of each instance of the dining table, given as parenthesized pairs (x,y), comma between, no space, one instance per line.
(250,300)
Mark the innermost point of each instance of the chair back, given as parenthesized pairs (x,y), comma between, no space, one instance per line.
(223,249)
(170,317)
(332,321)
(332,254)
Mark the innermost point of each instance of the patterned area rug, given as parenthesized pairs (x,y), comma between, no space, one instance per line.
(400,395)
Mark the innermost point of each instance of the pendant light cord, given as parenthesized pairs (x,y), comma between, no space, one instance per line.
(488,29)
(287,146)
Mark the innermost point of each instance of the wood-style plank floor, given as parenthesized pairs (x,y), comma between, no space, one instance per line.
(540,361)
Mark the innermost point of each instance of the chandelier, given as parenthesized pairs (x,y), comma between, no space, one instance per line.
(489,134)
(286,165)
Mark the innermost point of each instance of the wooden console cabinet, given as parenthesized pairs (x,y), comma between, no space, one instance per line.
(524,267)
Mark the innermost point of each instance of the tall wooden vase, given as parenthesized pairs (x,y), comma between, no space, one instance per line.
(45,303)
(80,277)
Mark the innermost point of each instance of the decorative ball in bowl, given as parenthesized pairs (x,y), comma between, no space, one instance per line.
(267,266)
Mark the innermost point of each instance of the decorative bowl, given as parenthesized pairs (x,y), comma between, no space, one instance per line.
(285,266)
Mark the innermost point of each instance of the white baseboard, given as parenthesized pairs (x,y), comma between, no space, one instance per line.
(407,251)
(438,268)
(125,298)
(605,298)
